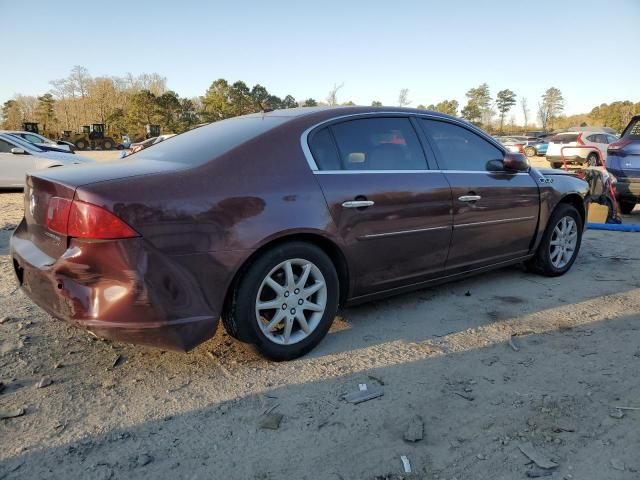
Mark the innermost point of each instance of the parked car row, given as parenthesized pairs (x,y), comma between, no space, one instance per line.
(530,146)
(579,148)
(18,156)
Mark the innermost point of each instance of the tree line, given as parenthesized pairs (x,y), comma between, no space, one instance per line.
(126,104)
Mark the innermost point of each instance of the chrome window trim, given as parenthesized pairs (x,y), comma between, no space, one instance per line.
(403,232)
(492,222)
(304,143)
(475,172)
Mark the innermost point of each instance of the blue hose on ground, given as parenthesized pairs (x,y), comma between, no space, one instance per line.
(619,227)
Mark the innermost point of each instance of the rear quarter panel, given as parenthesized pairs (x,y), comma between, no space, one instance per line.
(212,218)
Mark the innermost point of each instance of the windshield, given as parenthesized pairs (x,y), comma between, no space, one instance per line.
(205,143)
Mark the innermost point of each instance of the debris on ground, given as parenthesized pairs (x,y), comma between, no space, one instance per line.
(44,382)
(415,430)
(513,344)
(405,464)
(538,472)
(536,457)
(363,395)
(617,464)
(13,413)
(616,413)
(270,421)
(466,396)
(4,319)
(117,361)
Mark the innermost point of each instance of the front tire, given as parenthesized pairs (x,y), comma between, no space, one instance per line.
(556,165)
(285,302)
(530,152)
(560,243)
(626,206)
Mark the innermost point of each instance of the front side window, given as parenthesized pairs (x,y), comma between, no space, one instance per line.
(378,144)
(459,148)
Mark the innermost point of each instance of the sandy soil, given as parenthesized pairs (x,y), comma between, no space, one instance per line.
(482,368)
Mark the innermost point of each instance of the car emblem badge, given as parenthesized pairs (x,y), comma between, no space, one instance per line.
(33,202)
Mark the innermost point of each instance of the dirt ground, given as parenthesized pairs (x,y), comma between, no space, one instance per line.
(483,369)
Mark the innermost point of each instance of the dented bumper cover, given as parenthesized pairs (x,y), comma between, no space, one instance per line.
(127,290)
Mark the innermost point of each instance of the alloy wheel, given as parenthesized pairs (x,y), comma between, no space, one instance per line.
(291,301)
(564,240)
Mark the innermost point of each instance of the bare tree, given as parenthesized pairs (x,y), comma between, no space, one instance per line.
(525,111)
(403,98)
(332,98)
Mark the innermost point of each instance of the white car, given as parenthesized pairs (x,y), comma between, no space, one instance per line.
(17,157)
(579,147)
(40,140)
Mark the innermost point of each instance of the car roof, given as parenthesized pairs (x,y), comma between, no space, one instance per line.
(326,111)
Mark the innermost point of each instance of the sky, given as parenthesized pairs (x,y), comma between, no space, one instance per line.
(436,49)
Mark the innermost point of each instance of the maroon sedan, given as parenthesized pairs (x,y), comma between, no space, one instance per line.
(271,221)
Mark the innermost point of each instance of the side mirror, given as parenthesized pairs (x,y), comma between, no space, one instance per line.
(18,151)
(515,162)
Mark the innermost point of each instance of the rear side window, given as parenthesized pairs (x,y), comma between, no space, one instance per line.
(564,138)
(5,147)
(205,143)
(324,150)
(459,148)
(378,144)
(632,132)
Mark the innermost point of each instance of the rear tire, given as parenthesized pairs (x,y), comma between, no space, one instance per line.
(592,160)
(269,306)
(556,165)
(626,206)
(107,145)
(81,145)
(553,257)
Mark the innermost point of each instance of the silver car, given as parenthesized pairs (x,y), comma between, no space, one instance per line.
(17,157)
(41,141)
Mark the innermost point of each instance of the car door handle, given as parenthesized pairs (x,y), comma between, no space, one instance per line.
(357,203)
(469,198)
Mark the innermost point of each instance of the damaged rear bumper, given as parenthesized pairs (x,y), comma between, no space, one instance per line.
(126,290)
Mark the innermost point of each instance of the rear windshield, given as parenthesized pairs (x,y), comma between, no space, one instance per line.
(205,143)
(632,132)
(564,138)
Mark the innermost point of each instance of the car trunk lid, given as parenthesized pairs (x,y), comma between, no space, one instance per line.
(52,189)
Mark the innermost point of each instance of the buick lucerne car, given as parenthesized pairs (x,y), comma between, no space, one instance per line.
(271,221)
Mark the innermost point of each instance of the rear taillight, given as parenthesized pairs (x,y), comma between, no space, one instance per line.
(579,140)
(58,215)
(84,220)
(619,144)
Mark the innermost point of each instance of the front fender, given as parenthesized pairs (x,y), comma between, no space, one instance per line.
(557,186)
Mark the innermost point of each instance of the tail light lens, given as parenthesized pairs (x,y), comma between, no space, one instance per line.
(579,140)
(618,145)
(58,215)
(84,220)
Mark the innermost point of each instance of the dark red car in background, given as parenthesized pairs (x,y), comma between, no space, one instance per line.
(270,221)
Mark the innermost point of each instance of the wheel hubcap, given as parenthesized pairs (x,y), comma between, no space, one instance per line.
(291,301)
(563,242)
